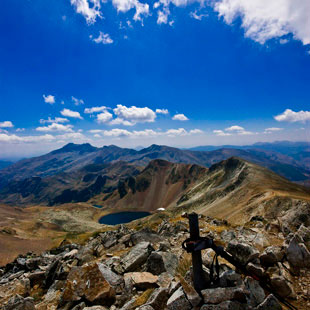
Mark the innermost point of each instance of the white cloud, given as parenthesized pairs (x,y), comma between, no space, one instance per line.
(97,136)
(180,117)
(55,127)
(56,120)
(70,113)
(195,131)
(4,131)
(176,132)
(104,117)
(16,139)
(90,12)
(20,129)
(120,121)
(126,5)
(95,110)
(272,129)
(162,16)
(49,99)
(133,115)
(264,19)
(6,124)
(103,38)
(95,130)
(197,16)
(290,116)
(162,111)
(116,132)
(77,101)
(235,128)
(221,133)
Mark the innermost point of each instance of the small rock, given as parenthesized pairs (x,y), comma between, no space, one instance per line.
(255,270)
(226,305)
(270,303)
(297,254)
(281,286)
(257,294)
(243,252)
(272,255)
(178,301)
(230,278)
(17,302)
(158,299)
(190,292)
(218,295)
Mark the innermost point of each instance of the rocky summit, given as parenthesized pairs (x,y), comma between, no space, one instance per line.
(144,267)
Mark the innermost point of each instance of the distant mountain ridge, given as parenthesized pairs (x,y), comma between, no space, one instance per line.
(73,157)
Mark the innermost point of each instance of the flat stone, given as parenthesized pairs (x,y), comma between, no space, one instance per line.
(88,282)
(226,305)
(281,286)
(178,301)
(272,255)
(297,253)
(142,280)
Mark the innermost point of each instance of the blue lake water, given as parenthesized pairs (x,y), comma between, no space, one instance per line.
(97,206)
(122,217)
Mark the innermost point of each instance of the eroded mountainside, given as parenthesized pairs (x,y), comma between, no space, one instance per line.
(74,157)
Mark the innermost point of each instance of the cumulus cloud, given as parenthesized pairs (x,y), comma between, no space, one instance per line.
(176,132)
(290,116)
(6,124)
(90,12)
(126,5)
(162,111)
(56,127)
(235,128)
(104,117)
(221,133)
(70,113)
(95,110)
(49,99)
(116,132)
(132,115)
(120,121)
(55,120)
(264,19)
(77,101)
(180,117)
(103,38)
(195,131)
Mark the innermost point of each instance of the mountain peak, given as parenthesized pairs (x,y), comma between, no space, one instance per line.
(72,147)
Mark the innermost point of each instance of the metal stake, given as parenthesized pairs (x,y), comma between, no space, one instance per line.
(200,282)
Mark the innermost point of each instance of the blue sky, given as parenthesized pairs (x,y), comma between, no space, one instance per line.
(174,72)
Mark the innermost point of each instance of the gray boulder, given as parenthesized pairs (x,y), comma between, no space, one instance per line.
(272,255)
(270,303)
(159,262)
(136,257)
(257,294)
(297,254)
(18,302)
(226,305)
(178,301)
(220,294)
(242,252)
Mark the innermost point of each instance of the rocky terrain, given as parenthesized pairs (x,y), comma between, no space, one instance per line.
(142,266)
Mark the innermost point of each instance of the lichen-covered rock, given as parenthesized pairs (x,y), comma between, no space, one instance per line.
(225,305)
(178,301)
(136,257)
(18,302)
(242,252)
(230,278)
(88,282)
(257,294)
(220,294)
(142,280)
(297,254)
(159,262)
(190,292)
(158,299)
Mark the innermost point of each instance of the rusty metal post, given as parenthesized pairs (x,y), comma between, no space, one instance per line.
(200,282)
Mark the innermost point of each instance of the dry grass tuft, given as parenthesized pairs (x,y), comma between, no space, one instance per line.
(143,298)
(184,264)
